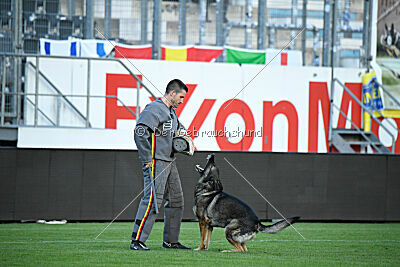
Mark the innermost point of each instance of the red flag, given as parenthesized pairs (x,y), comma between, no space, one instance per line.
(204,53)
(133,51)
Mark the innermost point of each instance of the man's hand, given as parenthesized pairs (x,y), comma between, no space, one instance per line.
(148,164)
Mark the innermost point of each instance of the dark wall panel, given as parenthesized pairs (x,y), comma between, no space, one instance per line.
(65,184)
(8,167)
(98,185)
(32,184)
(356,187)
(290,185)
(128,184)
(393,189)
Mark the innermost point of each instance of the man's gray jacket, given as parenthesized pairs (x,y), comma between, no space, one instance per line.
(154,131)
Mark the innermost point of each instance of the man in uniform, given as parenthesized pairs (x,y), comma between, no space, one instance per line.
(154,133)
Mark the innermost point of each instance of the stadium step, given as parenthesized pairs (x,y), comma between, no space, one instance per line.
(344,140)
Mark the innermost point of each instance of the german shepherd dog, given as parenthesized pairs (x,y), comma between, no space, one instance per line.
(214,208)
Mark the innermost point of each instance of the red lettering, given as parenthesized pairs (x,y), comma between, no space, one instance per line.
(284,57)
(270,111)
(318,94)
(200,117)
(241,108)
(355,88)
(113,111)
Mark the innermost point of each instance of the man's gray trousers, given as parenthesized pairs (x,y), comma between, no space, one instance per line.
(165,178)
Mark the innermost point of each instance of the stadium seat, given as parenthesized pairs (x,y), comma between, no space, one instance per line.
(29,7)
(42,27)
(40,6)
(5,8)
(6,42)
(31,46)
(5,19)
(52,7)
(77,26)
(53,19)
(65,28)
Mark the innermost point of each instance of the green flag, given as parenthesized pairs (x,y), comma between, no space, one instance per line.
(244,56)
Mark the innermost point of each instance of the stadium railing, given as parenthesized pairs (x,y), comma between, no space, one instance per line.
(21,95)
(365,109)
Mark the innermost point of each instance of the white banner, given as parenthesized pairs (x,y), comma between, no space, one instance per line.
(227,108)
(95,48)
(60,47)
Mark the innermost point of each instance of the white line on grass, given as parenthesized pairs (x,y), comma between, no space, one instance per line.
(66,228)
(325,240)
(216,241)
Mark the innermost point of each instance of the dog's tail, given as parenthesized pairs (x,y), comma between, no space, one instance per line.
(277,227)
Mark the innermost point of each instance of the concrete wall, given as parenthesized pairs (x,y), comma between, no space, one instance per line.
(97,184)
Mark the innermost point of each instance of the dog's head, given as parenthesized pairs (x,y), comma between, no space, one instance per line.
(209,175)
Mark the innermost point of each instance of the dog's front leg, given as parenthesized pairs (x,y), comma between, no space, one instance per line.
(208,237)
(203,233)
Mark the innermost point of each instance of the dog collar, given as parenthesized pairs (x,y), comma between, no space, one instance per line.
(209,193)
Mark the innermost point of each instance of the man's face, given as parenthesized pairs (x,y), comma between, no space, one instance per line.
(177,98)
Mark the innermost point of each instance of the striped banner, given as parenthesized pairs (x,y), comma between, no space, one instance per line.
(60,47)
(101,48)
(191,53)
(95,48)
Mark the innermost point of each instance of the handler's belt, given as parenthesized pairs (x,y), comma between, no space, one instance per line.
(182,143)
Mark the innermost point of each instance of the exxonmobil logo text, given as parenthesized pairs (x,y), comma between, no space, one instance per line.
(318,103)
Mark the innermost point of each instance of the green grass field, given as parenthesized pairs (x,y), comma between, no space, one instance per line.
(326,244)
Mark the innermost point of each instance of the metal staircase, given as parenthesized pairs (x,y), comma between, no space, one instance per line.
(356,140)
(345,140)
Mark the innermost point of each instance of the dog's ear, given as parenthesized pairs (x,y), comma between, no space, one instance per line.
(199,169)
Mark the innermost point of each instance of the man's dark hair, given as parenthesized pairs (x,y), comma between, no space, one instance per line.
(176,85)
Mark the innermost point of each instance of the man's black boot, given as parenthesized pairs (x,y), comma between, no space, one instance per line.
(174,245)
(138,245)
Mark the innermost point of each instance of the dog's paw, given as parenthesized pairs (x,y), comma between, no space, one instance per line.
(200,248)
